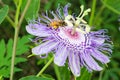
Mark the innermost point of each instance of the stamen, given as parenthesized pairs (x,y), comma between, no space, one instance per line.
(79,19)
(82,8)
(85,13)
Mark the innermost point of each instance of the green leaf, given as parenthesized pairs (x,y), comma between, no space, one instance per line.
(20,59)
(85,75)
(3,13)
(114,76)
(4,72)
(48,5)
(35,78)
(33,9)
(64,73)
(6,54)
(2,51)
(112,5)
(47,76)
(111,73)
(22,44)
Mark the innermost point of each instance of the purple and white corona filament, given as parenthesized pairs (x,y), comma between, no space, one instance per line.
(70,38)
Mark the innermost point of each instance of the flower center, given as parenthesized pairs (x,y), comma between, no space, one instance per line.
(65,34)
(70,35)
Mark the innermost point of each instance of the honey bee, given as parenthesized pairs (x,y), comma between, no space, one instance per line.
(56,24)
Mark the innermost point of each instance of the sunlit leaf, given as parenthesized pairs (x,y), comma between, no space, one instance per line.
(112,5)
(35,78)
(3,13)
(47,76)
(33,9)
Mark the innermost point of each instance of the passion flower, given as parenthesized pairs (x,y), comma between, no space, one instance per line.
(70,38)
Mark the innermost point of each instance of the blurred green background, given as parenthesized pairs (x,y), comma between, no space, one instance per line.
(106,16)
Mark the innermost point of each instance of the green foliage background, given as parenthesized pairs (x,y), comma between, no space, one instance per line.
(106,16)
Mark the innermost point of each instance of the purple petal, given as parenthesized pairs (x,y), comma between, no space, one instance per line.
(66,9)
(99,33)
(98,41)
(100,56)
(58,12)
(54,15)
(61,56)
(90,61)
(37,30)
(106,47)
(82,62)
(107,50)
(74,63)
(46,17)
(45,47)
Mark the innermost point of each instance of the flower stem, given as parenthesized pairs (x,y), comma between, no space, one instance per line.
(1,78)
(30,55)
(101,73)
(44,68)
(100,77)
(14,52)
(24,12)
(17,28)
(75,78)
(17,13)
(15,40)
(57,72)
(92,13)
